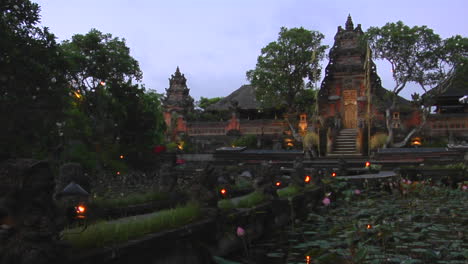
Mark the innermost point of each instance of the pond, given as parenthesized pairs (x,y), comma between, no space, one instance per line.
(420,224)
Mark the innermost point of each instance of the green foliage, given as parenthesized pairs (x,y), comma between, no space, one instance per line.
(171,147)
(251,200)
(289,191)
(33,90)
(226,204)
(112,111)
(284,64)
(80,153)
(378,140)
(249,141)
(428,228)
(131,199)
(114,232)
(310,139)
(414,53)
(205,102)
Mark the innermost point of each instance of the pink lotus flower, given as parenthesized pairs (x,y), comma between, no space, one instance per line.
(357,192)
(465,187)
(326,201)
(240,231)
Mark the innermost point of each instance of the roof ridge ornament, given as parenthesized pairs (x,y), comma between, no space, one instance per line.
(349,23)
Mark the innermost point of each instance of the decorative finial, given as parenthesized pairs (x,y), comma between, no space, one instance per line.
(349,23)
(177,70)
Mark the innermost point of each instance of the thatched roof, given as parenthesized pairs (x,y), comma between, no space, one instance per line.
(453,87)
(383,99)
(242,98)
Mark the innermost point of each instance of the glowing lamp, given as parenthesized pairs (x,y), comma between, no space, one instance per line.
(369,226)
(278,184)
(223,191)
(80,211)
(307,259)
(367,164)
(102,83)
(121,156)
(118,173)
(333,174)
(416,142)
(307,179)
(77,94)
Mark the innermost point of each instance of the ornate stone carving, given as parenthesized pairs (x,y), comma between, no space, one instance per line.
(177,95)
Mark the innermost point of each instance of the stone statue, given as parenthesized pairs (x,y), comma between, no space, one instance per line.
(202,188)
(263,182)
(30,221)
(298,174)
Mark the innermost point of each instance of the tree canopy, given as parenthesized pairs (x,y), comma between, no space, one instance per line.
(105,80)
(33,90)
(287,67)
(417,55)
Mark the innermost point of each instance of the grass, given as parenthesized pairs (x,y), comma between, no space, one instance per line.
(251,200)
(226,204)
(108,233)
(289,191)
(131,199)
(247,201)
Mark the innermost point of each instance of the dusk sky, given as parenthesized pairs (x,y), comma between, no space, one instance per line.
(214,42)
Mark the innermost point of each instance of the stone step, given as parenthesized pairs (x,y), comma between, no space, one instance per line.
(345,146)
(352,144)
(346,139)
(345,152)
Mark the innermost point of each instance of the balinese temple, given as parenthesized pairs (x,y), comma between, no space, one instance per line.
(351,104)
(351,96)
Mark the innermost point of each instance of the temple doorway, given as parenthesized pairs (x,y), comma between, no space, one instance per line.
(350,108)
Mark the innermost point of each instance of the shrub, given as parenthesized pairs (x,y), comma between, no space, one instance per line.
(378,140)
(249,141)
(311,139)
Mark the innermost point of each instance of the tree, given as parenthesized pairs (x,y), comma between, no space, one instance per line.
(105,80)
(205,102)
(33,90)
(416,55)
(283,66)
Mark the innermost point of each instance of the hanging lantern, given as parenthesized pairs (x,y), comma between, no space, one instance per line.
(333,174)
(277,183)
(368,164)
(307,179)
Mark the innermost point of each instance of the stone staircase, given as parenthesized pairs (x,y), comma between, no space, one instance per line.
(345,143)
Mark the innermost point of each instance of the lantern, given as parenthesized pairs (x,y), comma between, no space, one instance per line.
(277,183)
(307,179)
(416,142)
(368,164)
(333,174)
